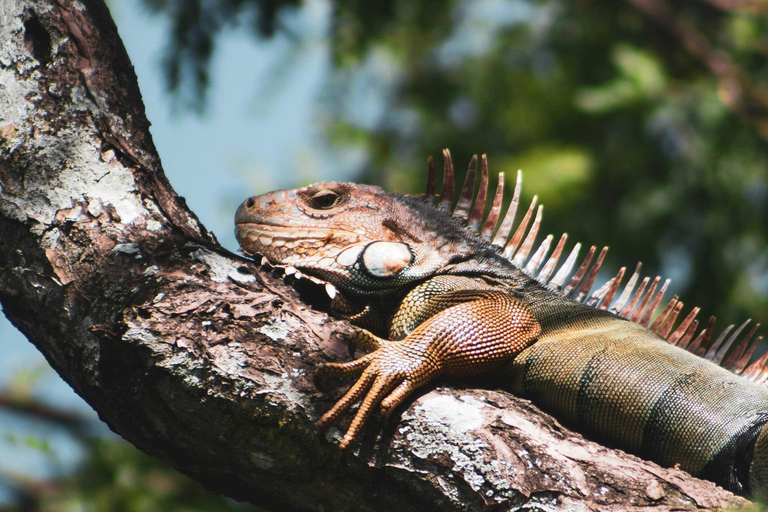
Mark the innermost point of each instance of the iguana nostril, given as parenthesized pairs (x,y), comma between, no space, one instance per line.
(249,203)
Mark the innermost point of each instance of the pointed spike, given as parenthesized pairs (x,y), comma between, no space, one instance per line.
(624,297)
(600,295)
(467,191)
(686,338)
(760,380)
(478,209)
(651,309)
(669,323)
(710,353)
(741,365)
(579,275)
(562,274)
(493,215)
(535,262)
(748,354)
(753,371)
(509,219)
(446,197)
(734,360)
(583,290)
(656,327)
(549,266)
(525,249)
(703,340)
(720,355)
(627,311)
(759,369)
(431,180)
(680,331)
(594,299)
(611,293)
(511,246)
(640,310)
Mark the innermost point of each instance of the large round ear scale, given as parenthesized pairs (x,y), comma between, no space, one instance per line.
(385,259)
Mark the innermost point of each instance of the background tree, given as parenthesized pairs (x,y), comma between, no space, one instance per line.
(643,123)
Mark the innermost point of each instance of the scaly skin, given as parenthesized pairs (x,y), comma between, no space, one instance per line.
(453,305)
(455,342)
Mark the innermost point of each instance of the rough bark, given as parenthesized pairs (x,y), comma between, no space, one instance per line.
(204,359)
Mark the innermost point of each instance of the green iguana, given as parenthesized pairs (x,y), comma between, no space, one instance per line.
(456,296)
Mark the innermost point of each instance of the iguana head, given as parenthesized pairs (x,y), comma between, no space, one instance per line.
(355,236)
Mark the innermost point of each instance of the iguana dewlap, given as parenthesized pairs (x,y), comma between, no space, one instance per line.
(455,295)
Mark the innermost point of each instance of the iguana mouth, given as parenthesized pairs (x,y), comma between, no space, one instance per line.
(277,243)
(266,235)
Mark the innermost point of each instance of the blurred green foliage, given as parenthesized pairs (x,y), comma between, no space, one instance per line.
(116,477)
(113,476)
(641,124)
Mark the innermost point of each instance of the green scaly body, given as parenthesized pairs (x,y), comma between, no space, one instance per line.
(624,385)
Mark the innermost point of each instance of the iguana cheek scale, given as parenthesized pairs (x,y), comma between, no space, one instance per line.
(457,293)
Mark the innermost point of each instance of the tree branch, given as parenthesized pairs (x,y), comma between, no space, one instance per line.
(749,102)
(30,407)
(203,359)
(752,6)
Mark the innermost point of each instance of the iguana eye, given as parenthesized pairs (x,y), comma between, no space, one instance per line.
(324,199)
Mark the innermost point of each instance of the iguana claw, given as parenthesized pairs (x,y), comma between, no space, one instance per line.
(454,342)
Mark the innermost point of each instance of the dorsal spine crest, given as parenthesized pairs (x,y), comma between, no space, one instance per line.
(639,307)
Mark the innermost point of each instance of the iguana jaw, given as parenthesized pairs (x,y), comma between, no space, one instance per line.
(283,247)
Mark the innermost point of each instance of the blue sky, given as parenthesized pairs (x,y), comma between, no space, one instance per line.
(258,130)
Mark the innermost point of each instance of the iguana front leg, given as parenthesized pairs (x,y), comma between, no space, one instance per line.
(463,340)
